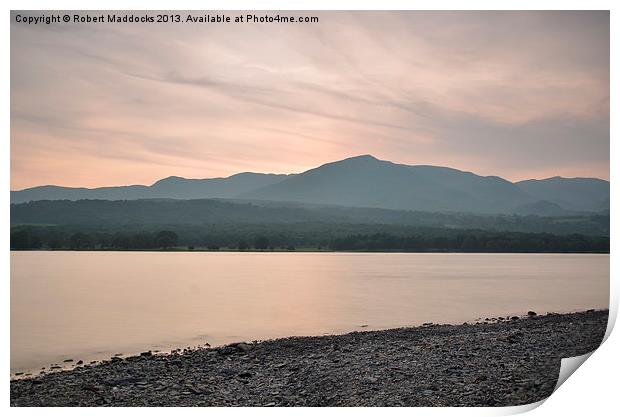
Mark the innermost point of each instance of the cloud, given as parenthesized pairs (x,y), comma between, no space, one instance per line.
(516,94)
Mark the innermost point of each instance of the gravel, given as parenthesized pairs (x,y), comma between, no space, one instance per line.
(490,363)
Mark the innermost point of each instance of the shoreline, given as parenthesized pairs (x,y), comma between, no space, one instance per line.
(313,250)
(492,363)
(69,362)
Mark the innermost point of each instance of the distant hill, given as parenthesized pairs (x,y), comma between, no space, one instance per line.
(235,214)
(580,194)
(365,181)
(542,208)
(171,187)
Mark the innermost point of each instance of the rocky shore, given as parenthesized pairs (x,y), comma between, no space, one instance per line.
(497,362)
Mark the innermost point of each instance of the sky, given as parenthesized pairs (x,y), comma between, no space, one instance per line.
(515,94)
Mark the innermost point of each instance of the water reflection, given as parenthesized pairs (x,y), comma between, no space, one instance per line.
(85,305)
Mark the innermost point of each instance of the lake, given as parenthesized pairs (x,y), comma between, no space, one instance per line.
(92,305)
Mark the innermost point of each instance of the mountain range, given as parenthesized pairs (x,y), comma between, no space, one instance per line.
(365,181)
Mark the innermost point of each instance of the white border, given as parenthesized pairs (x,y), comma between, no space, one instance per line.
(591,391)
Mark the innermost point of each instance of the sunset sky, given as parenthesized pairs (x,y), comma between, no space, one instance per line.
(515,94)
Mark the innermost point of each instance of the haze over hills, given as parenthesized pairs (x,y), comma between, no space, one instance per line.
(365,181)
(170,187)
(262,216)
(584,194)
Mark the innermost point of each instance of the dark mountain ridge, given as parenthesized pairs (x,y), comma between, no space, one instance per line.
(365,181)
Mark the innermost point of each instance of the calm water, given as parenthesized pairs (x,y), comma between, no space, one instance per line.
(91,305)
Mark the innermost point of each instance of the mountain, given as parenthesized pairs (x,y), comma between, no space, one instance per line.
(184,189)
(54,192)
(171,187)
(580,194)
(365,181)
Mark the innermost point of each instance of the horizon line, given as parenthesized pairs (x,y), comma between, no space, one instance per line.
(299,173)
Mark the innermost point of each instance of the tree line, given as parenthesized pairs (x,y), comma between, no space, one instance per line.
(24,239)
(344,239)
(474,242)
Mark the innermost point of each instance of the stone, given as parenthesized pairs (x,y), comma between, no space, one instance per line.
(243,347)
(122,381)
(447,365)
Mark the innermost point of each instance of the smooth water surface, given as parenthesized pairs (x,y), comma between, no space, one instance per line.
(91,305)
